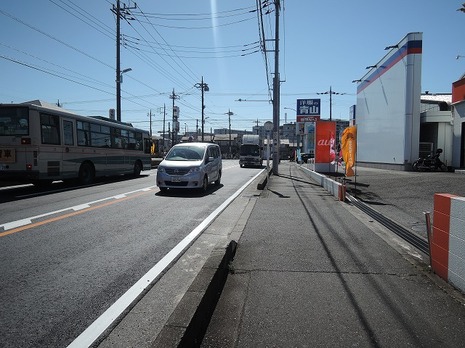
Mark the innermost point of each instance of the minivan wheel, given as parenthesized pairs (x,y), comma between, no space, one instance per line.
(218,180)
(204,184)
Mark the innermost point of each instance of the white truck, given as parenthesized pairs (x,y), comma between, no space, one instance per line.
(250,153)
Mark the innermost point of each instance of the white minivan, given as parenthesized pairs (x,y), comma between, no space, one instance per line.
(190,165)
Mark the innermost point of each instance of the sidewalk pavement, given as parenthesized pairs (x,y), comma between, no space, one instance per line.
(310,271)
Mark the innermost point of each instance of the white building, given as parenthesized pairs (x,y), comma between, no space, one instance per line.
(388,107)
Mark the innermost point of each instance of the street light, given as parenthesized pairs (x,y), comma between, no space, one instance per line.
(122,72)
(204,88)
(119,81)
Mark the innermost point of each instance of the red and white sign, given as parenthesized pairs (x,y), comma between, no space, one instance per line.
(325,142)
(307,118)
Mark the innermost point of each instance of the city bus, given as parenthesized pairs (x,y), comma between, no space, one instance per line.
(41,143)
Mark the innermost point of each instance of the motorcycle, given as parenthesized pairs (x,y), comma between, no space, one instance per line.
(430,163)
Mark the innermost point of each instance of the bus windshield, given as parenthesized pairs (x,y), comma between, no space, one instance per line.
(14,121)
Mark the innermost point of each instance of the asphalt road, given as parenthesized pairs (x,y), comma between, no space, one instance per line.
(68,253)
(404,196)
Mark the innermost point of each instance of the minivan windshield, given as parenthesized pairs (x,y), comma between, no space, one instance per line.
(185,153)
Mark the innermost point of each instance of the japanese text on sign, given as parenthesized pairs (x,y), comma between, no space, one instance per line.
(308,107)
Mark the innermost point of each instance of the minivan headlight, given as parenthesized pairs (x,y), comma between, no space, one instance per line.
(194,170)
(161,169)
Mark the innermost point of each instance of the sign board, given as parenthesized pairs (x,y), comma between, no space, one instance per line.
(325,142)
(176,111)
(307,118)
(268,126)
(308,107)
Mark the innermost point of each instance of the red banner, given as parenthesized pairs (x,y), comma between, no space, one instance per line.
(325,141)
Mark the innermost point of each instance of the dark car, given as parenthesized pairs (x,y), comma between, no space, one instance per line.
(306,156)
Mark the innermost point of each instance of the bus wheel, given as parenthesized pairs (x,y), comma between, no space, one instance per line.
(86,174)
(137,169)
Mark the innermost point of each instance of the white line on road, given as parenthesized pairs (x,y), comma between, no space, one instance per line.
(26,221)
(96,329)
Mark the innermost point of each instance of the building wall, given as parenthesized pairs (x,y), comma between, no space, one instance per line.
(458,156)
(388,106)
(441,132)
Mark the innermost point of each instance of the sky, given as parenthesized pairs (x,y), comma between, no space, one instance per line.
(65,51)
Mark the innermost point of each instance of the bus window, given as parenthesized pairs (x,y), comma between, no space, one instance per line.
(49,125)
(68,136)
(83,133)
(14,121)
(100,135)
(148,145)
(124,138)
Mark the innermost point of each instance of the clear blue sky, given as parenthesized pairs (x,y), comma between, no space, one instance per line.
(65,50)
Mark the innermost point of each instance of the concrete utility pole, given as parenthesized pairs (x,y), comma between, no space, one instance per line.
(331,92)
(119,12)
(230,113)
(204,88)
(175,127)
(276,93)
(164,117)
(150,122)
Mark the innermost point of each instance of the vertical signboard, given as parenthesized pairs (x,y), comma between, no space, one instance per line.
(325,145)
(308,110)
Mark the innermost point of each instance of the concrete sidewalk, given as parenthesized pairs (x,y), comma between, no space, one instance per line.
(311,271)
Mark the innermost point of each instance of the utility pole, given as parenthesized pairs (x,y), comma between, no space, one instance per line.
(164,116)
(204,88)
(119,12)
(330,92)
(150,123)
(276,92)
(230,113)
(175,127)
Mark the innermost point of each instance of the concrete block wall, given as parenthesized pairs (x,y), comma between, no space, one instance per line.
(447,239)
(335,188)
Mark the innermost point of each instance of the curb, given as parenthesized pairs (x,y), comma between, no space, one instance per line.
(187,325)
(263,181)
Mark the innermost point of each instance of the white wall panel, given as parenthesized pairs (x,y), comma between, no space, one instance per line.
(387,116)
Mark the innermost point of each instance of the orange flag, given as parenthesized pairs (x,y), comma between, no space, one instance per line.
(349,148)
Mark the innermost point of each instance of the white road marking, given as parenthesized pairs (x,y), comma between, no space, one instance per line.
(26,221)
(16,224)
